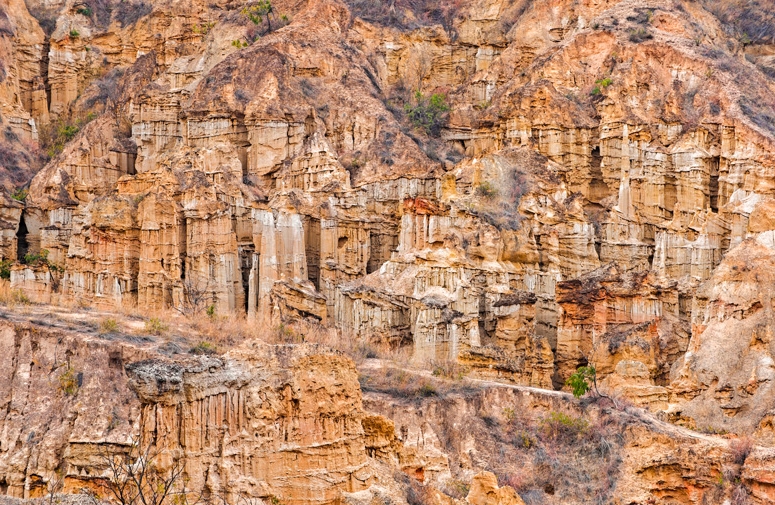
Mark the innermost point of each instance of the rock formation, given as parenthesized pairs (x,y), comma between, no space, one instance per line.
(260,421)
(518,187)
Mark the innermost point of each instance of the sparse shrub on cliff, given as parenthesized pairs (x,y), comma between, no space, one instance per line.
(11,297)
(740,449)
(5,269)
(407,14)
(428,113)
(37,259)
(195,297)
(204,348)
(585,380)
(559,426)
(449,369)
(108,325)
(753,19)
(485,189)
(202,29)
(70,381)
(74,34)
(19,194)
(642,16)
(264,11)
(53,136)
(156,326)
(84,11)
(639,35)
(457,488)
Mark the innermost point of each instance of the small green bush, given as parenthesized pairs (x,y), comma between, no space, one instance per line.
(37,259)
(427,390)
(68,382)
(108,325)
(84,11)
(156,326)
(605,82)
(204,348)
(19,296)
(581,381)
(74,34)
(5,269)
(19,194)
(428,113)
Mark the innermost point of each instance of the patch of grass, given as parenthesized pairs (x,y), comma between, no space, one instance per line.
(639,35)
(485,189)
(204,348)
(561,426)
(70,382)
(19,194)
(108,325)
(156,326)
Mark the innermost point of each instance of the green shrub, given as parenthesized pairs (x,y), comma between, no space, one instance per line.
(5,269)
(203,29)
(108,325)
(19,296)
(210,311)
(19,194)
(428,113)
(203,348)
(604,82)
(485,189)
(156,326)
(84,11)
(263,10)
(427,390)
(37,259)
(559,426)
(581,381)
(69,382)
(74,34)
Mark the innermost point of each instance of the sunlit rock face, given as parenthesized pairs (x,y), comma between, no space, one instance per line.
(260,421)
(589,169)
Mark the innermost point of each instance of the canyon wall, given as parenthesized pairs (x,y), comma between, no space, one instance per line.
(589,168)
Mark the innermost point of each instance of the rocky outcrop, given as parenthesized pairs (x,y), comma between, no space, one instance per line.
(260,421)
(565,182)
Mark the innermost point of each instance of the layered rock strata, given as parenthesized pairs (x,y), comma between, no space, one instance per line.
(277,172)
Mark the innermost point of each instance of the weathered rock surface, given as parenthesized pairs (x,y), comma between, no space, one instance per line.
(260,421)
(597,165)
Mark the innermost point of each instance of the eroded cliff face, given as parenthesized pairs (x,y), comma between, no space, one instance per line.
(289,423)
(597,163)
(261,421)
